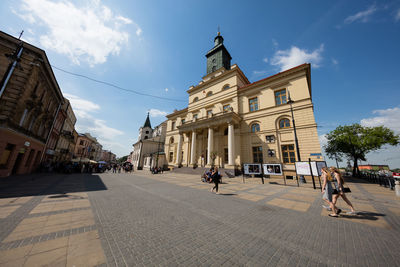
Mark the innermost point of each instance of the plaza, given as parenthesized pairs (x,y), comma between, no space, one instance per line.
(172,219)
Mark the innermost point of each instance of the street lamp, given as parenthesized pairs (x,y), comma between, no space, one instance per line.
(290,102)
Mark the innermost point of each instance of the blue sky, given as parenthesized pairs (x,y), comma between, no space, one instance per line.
(159,47)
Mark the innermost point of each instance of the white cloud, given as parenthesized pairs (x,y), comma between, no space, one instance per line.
(334,61)
(166,89)
(295,56)
(397,16)
(362,16)
(265,60)
(157,113)
(389,118)
(88,123)
(85,34)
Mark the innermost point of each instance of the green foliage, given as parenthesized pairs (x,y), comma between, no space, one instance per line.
(122,159)
(355,141)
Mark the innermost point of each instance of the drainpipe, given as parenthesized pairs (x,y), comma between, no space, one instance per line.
(11,68)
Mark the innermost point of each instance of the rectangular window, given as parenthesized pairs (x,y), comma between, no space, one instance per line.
(227,108)
(173,125)
(225,155)
(81,143)
(253,104)
(5,157)
(171,156)
(288,154)
(257,154)
(270,138)
(280,97)
(183,121)
(209,113)
(195,116)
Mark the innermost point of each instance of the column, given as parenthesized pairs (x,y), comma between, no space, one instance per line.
(193,149)
(231,144)
(179,151)
(210,144)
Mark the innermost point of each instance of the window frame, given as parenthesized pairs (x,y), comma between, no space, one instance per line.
(253,106)
(257,153)
(278,95)
(253,127)
(226,108)
(286,125)
(290,158)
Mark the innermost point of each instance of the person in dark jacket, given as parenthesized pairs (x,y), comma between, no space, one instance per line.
(215,176)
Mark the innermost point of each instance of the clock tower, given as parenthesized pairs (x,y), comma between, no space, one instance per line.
(218,56)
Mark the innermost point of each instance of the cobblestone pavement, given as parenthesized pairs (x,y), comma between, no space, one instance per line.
(171,219)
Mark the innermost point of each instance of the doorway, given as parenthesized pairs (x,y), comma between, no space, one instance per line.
(17,163)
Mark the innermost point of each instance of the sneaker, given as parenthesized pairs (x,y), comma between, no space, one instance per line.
(327,208)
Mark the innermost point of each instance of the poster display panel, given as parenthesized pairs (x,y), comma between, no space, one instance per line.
(272,169)
(303,168)
(252,168)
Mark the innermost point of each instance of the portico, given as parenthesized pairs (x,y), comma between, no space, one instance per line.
(207,138)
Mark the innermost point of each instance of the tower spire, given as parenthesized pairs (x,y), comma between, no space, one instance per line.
(147,122)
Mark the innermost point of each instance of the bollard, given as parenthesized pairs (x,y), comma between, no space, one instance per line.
(397,188)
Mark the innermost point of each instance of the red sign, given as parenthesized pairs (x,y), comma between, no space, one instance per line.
(396,175)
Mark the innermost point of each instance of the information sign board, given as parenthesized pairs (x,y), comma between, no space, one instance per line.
(272,169)
(252,168)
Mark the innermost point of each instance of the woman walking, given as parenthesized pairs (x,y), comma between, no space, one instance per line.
(215,178)
(327,192)
(339,182)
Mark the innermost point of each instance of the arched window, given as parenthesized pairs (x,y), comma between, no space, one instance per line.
(196,99)
(284,123)
(226,87)
(209,94)
(171,140)
(255,127)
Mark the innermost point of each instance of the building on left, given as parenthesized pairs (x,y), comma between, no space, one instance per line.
(30,100)
(37,124)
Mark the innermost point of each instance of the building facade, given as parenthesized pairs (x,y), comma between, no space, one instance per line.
(29,99)
(230,121)
(66,143)
(148,151)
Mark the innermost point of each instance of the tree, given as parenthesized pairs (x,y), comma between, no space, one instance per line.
(122,159)
(355,141)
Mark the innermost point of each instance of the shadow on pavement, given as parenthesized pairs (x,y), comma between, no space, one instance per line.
(363,215)
(58,185)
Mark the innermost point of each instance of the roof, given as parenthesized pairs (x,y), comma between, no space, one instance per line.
(306,66)
(147,122)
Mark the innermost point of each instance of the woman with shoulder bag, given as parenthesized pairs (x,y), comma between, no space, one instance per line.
(339,182)
(327,191)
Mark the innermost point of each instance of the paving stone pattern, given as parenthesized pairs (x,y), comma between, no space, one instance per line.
(171,219)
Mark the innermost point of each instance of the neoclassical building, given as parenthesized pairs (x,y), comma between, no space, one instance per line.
(148,151)
(231,121)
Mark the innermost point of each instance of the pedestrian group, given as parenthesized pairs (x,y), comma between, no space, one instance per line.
(332,189)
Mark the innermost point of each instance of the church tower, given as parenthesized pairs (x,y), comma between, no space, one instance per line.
(218,56)
(146,131)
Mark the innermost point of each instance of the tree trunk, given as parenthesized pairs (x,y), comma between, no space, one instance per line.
(355,168)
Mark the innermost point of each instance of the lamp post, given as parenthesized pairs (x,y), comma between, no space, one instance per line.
(158,146)
(296,141)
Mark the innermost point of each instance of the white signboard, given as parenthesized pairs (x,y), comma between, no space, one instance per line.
(252,168)
(303,167)
(272,169)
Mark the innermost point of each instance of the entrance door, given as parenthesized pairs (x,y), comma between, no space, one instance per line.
(17,163)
